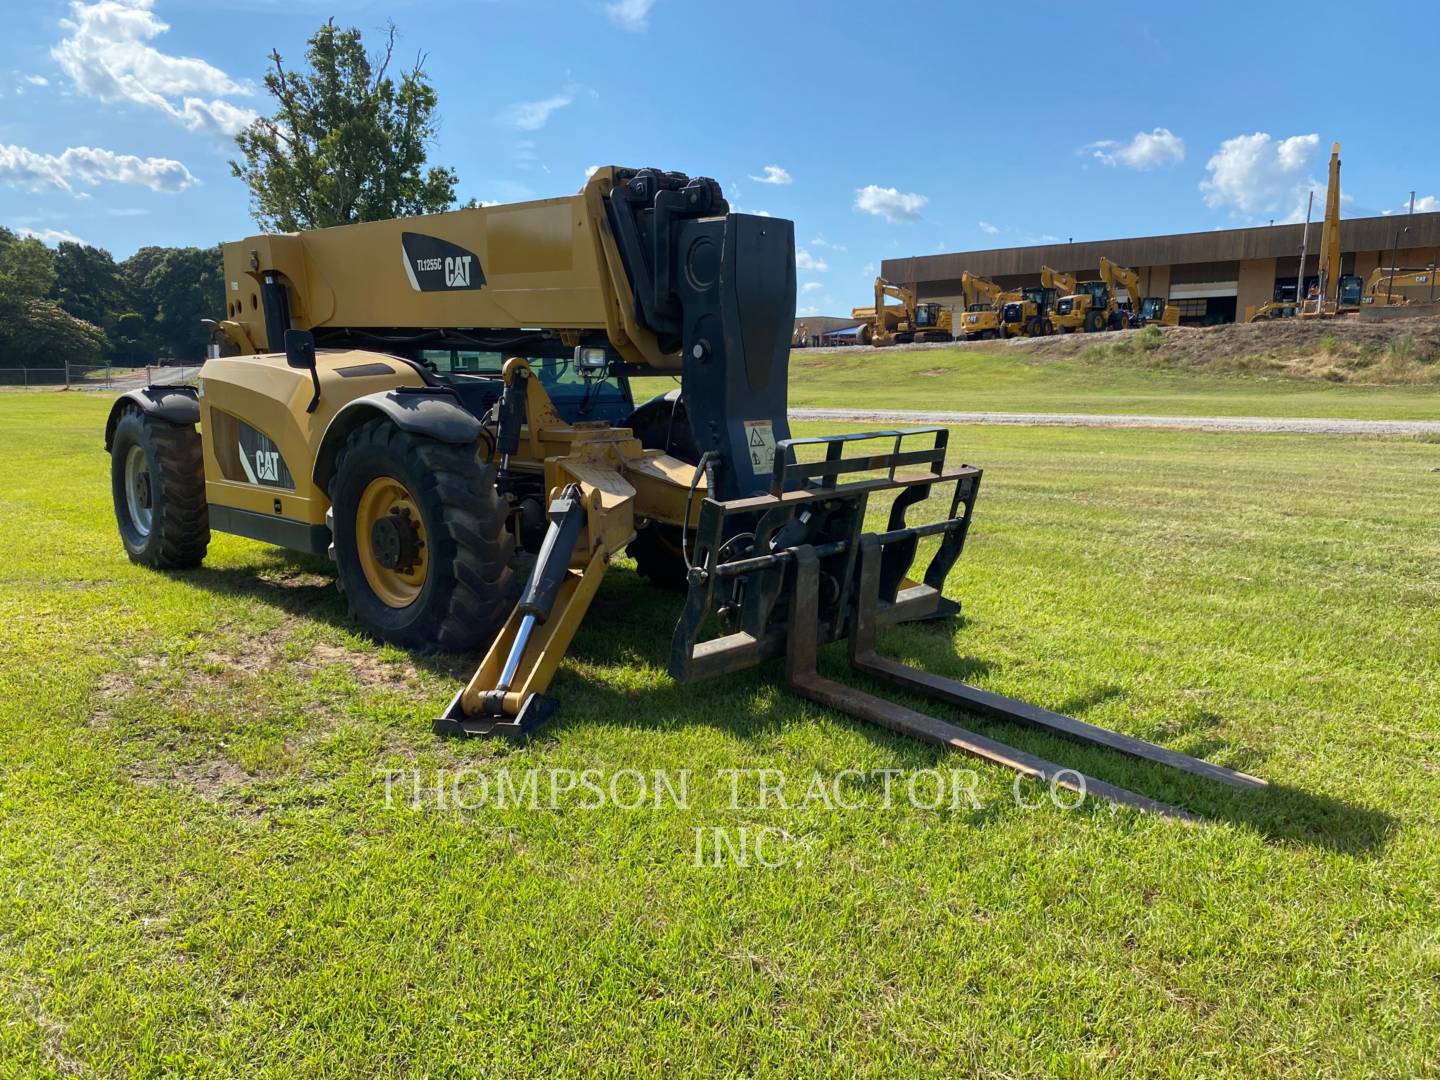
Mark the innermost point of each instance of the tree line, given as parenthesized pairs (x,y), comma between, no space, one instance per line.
(348,142)
(74,304)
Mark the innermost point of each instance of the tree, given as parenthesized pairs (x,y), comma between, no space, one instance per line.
(27,268)
(87,283)
(347,142)
(34,330)
(171,290)
(40,333)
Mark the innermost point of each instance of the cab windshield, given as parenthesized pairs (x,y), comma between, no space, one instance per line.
(573,394)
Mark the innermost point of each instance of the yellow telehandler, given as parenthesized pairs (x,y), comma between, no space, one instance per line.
(423,398)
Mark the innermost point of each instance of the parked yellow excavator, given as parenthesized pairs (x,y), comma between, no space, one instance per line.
(980,321)
(1396,287)
(442,404)
(900,324)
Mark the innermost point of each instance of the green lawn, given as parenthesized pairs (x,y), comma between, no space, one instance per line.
(1011,381)
(199,874)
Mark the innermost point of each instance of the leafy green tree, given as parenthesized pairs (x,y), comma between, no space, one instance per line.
(347,142)
(27,268)
(40,333)
(87,284)
(185,285)
(169,290)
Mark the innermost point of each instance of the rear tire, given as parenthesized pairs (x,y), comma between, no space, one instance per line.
(157,482)
(466,589)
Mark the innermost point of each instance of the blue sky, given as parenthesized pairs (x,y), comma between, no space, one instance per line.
(878,129)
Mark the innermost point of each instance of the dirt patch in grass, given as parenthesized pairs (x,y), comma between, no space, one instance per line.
(217,780)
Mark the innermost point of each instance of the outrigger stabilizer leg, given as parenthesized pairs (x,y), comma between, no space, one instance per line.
(487,693)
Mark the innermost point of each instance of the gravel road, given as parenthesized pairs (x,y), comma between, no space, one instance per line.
(1257,424)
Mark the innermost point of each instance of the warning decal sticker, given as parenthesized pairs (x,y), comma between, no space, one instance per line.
(760,439)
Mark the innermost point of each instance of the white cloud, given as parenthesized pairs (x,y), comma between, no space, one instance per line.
(805,261)
(1254,174)
(632,15)
(988,229)
(868,268)
(37,80)
(1425,204)
(25,168)
(48,236)
(811,286)
(107,56)
(1147,150)
(591,170)
(532,115)
(820,241)
(894,206)
(774,174)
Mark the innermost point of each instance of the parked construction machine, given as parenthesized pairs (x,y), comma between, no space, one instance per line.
(1131,312)
(1158,311)
(1028,314)
(422,398)
(909,321)
(1395,287)
(1088,308)
(980,320)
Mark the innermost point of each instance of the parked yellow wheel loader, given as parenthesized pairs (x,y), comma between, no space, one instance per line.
(1029,312)
(442,404)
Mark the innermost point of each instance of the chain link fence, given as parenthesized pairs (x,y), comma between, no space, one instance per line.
(87,377)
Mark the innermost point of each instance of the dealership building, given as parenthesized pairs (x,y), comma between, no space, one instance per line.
(1211,276)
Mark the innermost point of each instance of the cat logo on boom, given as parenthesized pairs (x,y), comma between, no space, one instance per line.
(435,265)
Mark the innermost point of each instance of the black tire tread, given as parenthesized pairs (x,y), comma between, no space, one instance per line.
(468,543)
(180,529)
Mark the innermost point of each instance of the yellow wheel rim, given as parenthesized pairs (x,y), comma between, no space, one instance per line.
(396,582)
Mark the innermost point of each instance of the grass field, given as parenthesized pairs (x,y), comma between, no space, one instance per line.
(199,874)
(1011,380)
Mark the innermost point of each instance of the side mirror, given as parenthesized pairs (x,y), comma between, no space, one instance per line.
(300,349)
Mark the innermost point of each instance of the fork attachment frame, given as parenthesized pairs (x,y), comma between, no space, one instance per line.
(744,548)
(791,570)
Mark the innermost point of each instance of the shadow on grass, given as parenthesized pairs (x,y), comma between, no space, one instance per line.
(629,624)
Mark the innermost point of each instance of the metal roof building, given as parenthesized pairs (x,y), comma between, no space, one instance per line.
(1212,276)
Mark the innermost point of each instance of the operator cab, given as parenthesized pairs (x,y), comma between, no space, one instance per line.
(927,315)
(578,395)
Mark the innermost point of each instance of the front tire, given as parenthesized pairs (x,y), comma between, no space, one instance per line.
(420,540)
(157,482)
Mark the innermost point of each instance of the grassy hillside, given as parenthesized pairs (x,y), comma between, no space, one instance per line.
(201,874)
(1012,381)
